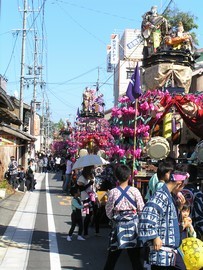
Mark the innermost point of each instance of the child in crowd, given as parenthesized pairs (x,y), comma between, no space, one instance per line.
(165,167)
(123,207)
(86,184)
(21,178)
(195,197)
(76,216)
(187,229)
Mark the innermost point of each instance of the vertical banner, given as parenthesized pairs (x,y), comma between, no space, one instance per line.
(109,65)
(114,49)
(134,87)
(36,125)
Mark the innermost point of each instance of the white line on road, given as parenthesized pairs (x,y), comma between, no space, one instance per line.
(55,263)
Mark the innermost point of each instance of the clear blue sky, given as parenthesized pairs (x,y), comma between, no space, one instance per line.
(76,33)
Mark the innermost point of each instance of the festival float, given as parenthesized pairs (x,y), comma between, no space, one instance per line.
(150,128)
(64,142)
(168,62)
(168,54)
(92,131)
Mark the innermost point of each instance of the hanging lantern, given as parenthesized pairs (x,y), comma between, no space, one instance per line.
(192,249)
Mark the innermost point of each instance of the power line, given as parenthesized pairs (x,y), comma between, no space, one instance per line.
(75,78)
(96,10)
(81,26)
(12,53)
(62,100)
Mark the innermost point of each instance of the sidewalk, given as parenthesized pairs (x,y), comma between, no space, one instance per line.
(17,217)
(8,206)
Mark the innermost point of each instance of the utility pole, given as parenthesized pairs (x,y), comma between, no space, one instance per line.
(22,64)
(33,102)
(47,133)
(42,135)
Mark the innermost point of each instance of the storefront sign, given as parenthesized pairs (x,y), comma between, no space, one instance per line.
(114,49)
(7,140)
(109,65)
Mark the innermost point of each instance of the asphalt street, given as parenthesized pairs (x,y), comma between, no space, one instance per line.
(34,227)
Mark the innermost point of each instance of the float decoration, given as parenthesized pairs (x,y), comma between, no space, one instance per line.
(92,131)
(151,110)
(168,54)
(92,104)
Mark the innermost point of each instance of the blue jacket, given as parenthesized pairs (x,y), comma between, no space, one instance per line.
(159,219)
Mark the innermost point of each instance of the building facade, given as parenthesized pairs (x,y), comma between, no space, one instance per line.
(130,52)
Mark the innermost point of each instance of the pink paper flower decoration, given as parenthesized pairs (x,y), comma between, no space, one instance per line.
(116,112)
(115,131)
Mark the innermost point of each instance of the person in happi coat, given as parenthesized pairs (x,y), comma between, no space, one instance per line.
(159,225)
(122,208)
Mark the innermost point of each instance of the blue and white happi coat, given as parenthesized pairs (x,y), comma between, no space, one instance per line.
(124,231)
(124,225)
(159,219)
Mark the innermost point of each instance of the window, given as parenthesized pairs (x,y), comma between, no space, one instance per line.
(129,73)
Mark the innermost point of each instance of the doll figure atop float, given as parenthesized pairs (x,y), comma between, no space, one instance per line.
(168,54)
(92,104)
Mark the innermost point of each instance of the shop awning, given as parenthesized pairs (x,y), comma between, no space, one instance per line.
(7,116)
(16,132)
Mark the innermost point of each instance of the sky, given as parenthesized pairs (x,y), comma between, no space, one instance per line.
(72,36)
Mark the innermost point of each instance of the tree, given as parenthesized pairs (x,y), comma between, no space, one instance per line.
(174,16)
(60,124)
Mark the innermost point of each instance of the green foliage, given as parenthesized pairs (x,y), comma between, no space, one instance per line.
(174,16)
(59,125)
(4,183)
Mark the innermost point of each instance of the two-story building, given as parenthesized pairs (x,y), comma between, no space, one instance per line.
(13,140)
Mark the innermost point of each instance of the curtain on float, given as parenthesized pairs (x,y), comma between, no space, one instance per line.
(191,113)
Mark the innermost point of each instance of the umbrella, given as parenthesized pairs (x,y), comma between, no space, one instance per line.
(89,160)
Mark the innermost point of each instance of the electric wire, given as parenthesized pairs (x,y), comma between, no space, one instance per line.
(96,11)
(12,53)
(42,10)
(76,22)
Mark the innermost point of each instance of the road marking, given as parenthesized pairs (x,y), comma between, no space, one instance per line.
(55,263)
(63,203)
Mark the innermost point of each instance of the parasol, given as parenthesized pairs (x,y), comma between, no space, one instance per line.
(89,160)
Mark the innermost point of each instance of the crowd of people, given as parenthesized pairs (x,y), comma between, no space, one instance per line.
(151,227)
(22,179)
(152,231)
(19,178)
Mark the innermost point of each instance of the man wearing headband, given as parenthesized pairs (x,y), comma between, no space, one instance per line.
(159,226)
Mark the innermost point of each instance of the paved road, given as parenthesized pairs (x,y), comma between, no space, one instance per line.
(34,228)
